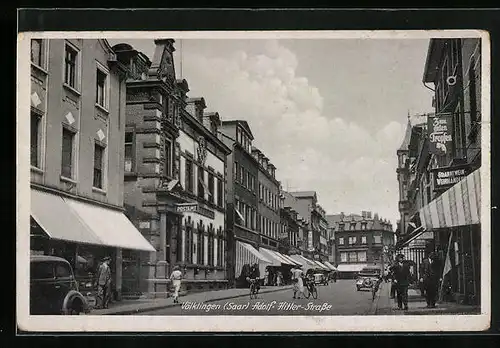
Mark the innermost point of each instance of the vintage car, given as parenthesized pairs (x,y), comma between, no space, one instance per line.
(368,277)
(53,287)
(320,279)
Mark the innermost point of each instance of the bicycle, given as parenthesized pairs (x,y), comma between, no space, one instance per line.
(253,289)
(310,289)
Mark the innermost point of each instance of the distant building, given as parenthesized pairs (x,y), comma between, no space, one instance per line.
(361,240)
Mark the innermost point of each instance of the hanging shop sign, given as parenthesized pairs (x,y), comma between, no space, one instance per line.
(449,176)
(440,134)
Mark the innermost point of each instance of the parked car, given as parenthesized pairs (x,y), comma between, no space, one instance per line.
(53,287)
(368,277)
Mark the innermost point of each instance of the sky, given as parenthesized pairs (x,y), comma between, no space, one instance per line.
(330,114)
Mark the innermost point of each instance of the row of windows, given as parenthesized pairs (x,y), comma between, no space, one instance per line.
(248,217)
(269,228)
(68,152)
(352,227)
(202,186)
(354,239)
(353,256)
(71,69)
(243,140)
(198,249)
(245,178)
(268,197)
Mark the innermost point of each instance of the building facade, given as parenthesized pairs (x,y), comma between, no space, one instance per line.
(451,209)
(174,177)
(361,241)
(268,210)
(308,208)
(77,154)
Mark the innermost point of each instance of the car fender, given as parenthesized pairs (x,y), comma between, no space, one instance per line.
(70,297)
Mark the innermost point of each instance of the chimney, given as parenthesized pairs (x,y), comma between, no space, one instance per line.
(211,121)
(196,106)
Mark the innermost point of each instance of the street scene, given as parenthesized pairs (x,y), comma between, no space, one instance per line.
(175,176)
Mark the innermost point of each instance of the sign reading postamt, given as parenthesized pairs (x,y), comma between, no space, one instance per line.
(187,208)
(444,177)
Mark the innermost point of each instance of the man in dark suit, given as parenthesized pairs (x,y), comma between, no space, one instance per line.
(402,277)
(430,278)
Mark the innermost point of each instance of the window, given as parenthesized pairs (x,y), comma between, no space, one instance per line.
(189,244)
(249,181)
(363,225)
(353,257)
(363,240)
(473,102)
(341,240)
(377,239)
(211,187)
(67,153)
(41,270)
(220,193)
(200,248)
(70,66)
(35,139)
(36,52)
(101,93)
(62,270)
(242,175)
(129,151)
(353,227)
(352,240)
(211,249)
(341,228)
(361,256)
(201,186)
(98,165)
(343,257)
(236,171)
(169,158)
(189,176)
(458,132)
(248,217)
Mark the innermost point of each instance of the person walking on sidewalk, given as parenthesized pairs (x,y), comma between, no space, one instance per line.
(298,283)
(104,283)
(402,280)
(176,278)
(430,279)
(393,284)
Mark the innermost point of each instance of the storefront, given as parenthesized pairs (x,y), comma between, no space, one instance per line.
(455,219)
(282,265)
(83,233)
(350,270)
(246,256)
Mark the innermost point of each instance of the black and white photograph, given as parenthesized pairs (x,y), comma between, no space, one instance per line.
(291,181)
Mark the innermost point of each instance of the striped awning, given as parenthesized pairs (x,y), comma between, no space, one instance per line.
(292,261)
(458,206)
(322,266)
(332,267)
(248,255)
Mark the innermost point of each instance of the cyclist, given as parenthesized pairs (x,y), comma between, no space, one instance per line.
(254,276)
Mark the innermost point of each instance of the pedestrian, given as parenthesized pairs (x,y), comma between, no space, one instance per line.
(402,280)
(334,276)
(298,283)
(266,277)
(104,283)
(430,279)
(176,278)
(278,278)
(393,284)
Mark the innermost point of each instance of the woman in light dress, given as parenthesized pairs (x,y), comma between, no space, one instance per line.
(298,284)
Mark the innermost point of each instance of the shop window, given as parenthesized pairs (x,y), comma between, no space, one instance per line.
(189,245)
(98,166)
(68,138)
(70,65)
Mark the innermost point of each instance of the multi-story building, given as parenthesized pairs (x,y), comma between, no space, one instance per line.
(78,95)
(453,142)
(360,241)
(174,177)
(332,247)
(308,207)
(268,214)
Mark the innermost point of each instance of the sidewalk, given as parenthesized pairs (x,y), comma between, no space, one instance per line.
(128,307)
(417,305)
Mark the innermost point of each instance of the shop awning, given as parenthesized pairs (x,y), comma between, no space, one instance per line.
(458,206)
(298,259)
(270,255)
(292,261)
(59,220)
(322,265)
(354,267)
(248,255)
(332,267)
(70,220)
(407,239)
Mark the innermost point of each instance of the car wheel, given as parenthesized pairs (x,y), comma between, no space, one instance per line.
(76,308)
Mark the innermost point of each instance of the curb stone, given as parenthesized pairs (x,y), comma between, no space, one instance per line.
(171,305)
